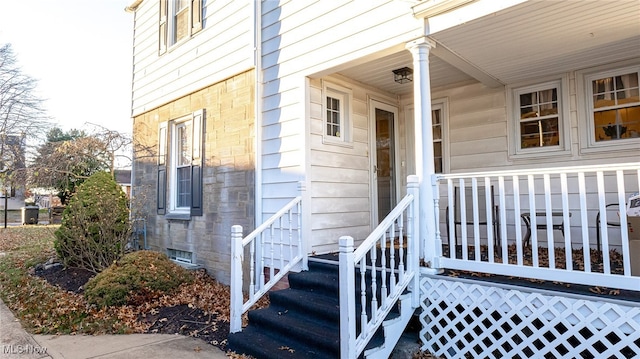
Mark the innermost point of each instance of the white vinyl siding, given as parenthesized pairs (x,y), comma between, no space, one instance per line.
(300,39)
(478,135)
(217,53)
(340,176)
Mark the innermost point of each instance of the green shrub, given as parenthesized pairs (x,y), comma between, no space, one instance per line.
(95,225)
(136,278)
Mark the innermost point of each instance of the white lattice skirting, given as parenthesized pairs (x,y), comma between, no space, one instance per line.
(469,319)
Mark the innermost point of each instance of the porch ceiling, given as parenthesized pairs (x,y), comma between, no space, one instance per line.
(528,41)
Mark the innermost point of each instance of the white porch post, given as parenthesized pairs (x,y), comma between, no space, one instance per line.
(423,140)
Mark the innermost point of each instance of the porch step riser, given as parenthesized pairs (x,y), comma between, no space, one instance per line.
(323,279)
(302,321)
(298,328)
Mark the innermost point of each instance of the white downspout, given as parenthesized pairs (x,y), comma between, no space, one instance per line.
(257,28)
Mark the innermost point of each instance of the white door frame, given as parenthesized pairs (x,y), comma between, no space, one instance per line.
(373,105)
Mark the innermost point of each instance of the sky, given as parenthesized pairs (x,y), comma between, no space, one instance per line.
(80,52)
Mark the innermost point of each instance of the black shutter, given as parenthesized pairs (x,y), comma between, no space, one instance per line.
(196,190)
(161,189)
(198,163)
(161,193)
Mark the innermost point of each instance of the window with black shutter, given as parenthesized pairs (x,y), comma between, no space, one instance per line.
(180,163)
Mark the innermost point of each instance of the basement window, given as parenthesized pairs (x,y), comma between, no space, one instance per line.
(180,256)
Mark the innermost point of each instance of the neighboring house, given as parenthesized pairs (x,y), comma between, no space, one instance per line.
(247,105)
(123,179)
(12,158)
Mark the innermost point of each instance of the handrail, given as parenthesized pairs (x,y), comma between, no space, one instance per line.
(264,226)
(372,238)
(377,301)
(258,260)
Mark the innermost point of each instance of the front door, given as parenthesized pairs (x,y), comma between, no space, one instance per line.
(384,169)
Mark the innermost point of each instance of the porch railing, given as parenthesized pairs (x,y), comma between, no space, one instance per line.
(378,272)
(540,223)
(277,243)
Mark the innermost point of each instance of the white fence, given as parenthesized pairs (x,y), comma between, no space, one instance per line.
(275,243)
(506,223)
(380,271)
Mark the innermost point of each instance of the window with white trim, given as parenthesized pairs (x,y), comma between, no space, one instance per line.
(183,146)
(180,166)
(179,20)
(539,120)
(438,129)
(613,100)
(337,115)
(539,123)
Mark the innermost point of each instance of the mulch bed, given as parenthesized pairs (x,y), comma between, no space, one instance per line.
(69,279)
(194,322)
(180,319)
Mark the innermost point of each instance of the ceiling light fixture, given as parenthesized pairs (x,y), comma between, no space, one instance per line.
(403,75)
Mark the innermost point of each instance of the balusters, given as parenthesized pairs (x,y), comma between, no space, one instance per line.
(401,245)
(374,283)
(363,294)
(252,269)
(281,231)
(290,236)
(272,256)
(392,257)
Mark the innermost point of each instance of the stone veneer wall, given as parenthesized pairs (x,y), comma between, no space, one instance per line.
(228,174)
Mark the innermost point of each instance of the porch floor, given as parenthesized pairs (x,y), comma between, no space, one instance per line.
(616,262)
(615,259)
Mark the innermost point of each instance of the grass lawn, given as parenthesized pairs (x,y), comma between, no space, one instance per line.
(41,307)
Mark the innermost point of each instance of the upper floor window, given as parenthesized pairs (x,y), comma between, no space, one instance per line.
(614,105)
(179,20)
(337,113)
(539,122)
